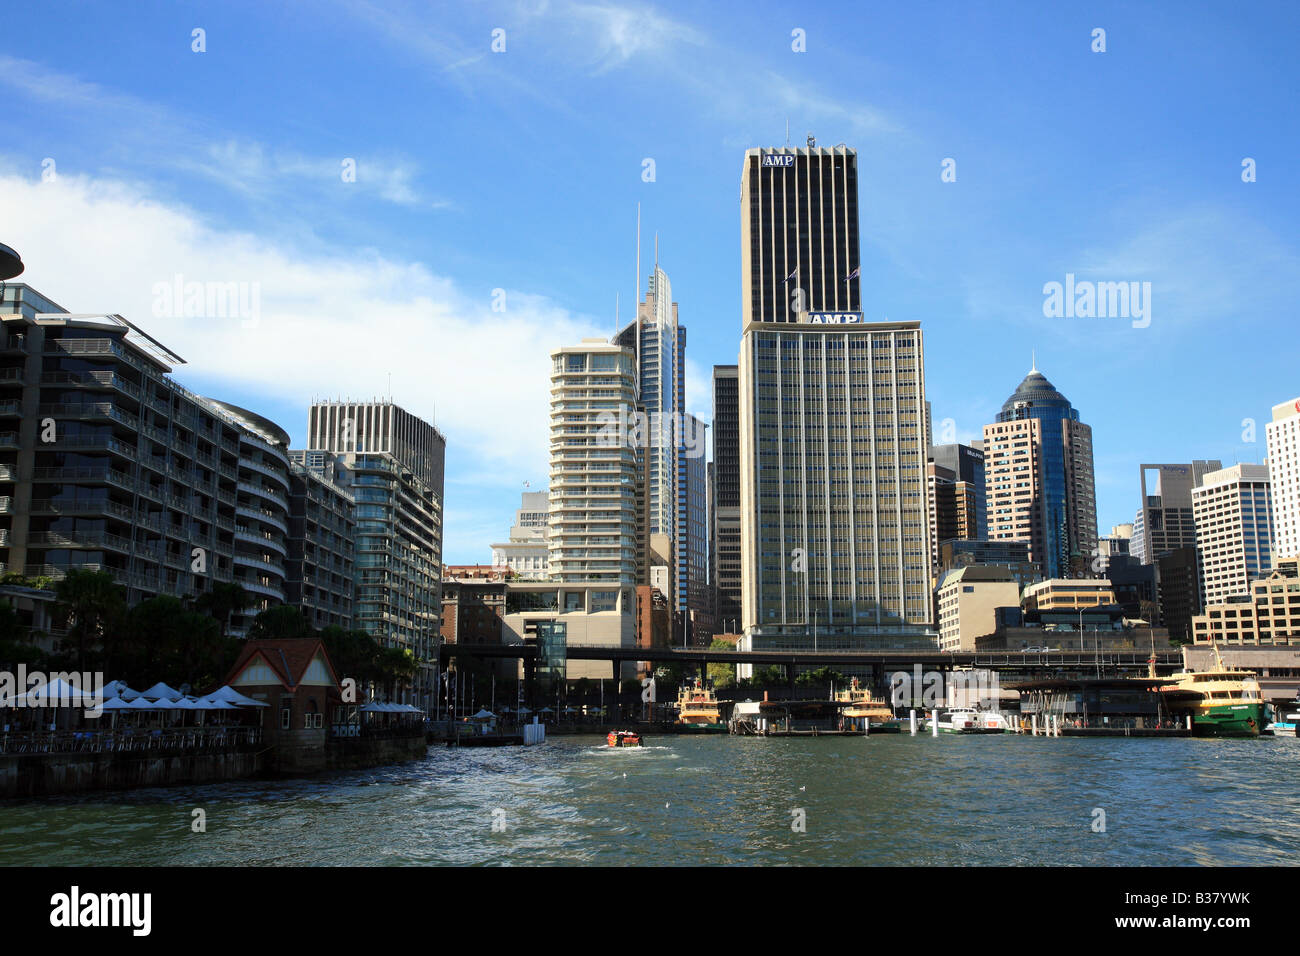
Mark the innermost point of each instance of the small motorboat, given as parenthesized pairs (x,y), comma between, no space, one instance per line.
(624,738)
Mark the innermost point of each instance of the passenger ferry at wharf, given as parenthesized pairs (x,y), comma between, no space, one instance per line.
(865,708)
(697,706)
(1223,701)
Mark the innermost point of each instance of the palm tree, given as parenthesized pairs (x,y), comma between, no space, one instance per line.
(222,601)
(93,600)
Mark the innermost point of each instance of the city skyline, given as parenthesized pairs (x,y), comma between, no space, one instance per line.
(1157,195)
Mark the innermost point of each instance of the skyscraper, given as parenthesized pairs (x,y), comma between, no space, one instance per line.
(725,515)
(955,492)
(1164,520)
(1283,435)
(1234,531)
(834,535)
(395,461)
(1038,475)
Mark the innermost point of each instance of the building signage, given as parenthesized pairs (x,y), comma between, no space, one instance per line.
(833,318)
(775,159)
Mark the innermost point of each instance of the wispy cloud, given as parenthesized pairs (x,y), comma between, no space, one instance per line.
(246,167)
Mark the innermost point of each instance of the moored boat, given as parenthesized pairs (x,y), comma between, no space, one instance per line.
(1222,701)
(968,722)
(624,738)
(1287,725)
(864,708)
(697,706)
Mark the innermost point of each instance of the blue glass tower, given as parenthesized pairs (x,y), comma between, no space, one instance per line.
(1066,498)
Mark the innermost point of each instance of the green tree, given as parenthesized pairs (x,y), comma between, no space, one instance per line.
(277,623)
(16,646)
(722,675)
(224,599)
(94,601)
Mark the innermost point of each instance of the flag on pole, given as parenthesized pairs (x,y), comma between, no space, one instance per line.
(853,275)
(790,276)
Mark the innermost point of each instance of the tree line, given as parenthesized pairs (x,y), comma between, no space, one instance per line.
(178,640)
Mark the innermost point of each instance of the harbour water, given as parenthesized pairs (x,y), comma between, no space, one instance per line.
(715,800)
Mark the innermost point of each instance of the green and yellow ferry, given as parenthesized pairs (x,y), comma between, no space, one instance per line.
(1223,701)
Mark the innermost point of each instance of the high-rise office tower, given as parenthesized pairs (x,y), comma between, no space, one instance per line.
(658,344)
(955,493)
(1283,435)
(1038,476)
(799,234)
(1164,521)
(725,514)
(693,601)
(834,534)
(1233,511)
(395,461)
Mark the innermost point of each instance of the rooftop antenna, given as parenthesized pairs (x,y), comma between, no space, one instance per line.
(656,252)
(1034,360)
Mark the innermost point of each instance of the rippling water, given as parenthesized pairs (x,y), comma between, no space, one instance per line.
(714,800)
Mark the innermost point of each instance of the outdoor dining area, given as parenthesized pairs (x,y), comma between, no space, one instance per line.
(158,720)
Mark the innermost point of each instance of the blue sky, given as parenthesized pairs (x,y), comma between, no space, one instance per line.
(521,171)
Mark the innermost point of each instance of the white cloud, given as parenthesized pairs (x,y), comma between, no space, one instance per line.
(330,325)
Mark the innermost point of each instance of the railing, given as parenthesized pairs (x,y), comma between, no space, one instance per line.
(175,740)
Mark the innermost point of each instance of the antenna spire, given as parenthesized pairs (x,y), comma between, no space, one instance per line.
(1034,360)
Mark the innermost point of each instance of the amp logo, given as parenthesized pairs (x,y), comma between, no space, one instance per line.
(774,160)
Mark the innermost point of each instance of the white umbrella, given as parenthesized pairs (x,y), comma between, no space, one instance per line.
(233,696)
(117,703)
(56,693)
(484,714)
(209,703)
(118,688)
(371,708)
(161,691)
(141,704)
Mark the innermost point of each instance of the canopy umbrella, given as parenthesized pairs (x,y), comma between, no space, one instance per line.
(117,703)
(161,691)
(209,703)
(118,688)
(546,710)
(484,714)
(233,696)
(141,704)
(56,693)
(372,708)
(524,710)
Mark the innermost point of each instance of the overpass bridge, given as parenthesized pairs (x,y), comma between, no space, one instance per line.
(879,661)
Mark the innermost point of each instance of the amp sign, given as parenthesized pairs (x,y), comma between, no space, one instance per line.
(833,318)
(775,159)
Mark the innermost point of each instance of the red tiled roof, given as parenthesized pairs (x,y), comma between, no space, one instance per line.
(289,658)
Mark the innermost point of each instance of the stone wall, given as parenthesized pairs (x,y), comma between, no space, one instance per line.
(34,775)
